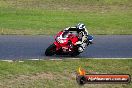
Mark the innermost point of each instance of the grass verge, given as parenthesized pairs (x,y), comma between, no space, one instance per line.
(33,17)
(59,74)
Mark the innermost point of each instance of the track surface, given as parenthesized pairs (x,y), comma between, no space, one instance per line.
(29,47)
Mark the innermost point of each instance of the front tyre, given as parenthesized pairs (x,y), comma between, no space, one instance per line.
(50,50)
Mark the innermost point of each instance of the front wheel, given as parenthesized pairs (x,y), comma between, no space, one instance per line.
(50,50)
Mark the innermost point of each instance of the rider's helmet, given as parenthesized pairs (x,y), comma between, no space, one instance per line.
(80,27)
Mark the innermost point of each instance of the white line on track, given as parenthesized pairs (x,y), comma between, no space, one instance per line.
(11,60)
(59,59)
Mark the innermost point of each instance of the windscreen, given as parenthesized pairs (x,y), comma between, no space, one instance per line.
(66,33)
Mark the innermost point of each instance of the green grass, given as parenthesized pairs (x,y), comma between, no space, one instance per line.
(59,74)
(49,16)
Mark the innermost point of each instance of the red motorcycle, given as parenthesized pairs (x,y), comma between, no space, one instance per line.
(65,44)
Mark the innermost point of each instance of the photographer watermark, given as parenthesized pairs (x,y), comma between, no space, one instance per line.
(83,78)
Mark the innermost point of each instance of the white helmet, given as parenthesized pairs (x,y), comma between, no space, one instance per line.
(80,26)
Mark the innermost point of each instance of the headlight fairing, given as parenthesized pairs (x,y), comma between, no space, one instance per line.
(60,40)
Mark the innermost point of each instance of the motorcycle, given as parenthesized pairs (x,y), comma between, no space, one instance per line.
(65,44)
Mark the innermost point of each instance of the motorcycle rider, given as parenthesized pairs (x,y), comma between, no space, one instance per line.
(82,35)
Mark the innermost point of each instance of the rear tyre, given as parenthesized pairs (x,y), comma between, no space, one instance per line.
(75,53)
(50,50)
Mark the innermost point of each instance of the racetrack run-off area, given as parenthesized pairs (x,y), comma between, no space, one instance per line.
(30,47)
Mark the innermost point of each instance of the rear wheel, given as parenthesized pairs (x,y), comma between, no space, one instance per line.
(50,50)
(75,53)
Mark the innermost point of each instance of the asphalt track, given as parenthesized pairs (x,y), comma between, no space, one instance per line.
(33,47)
